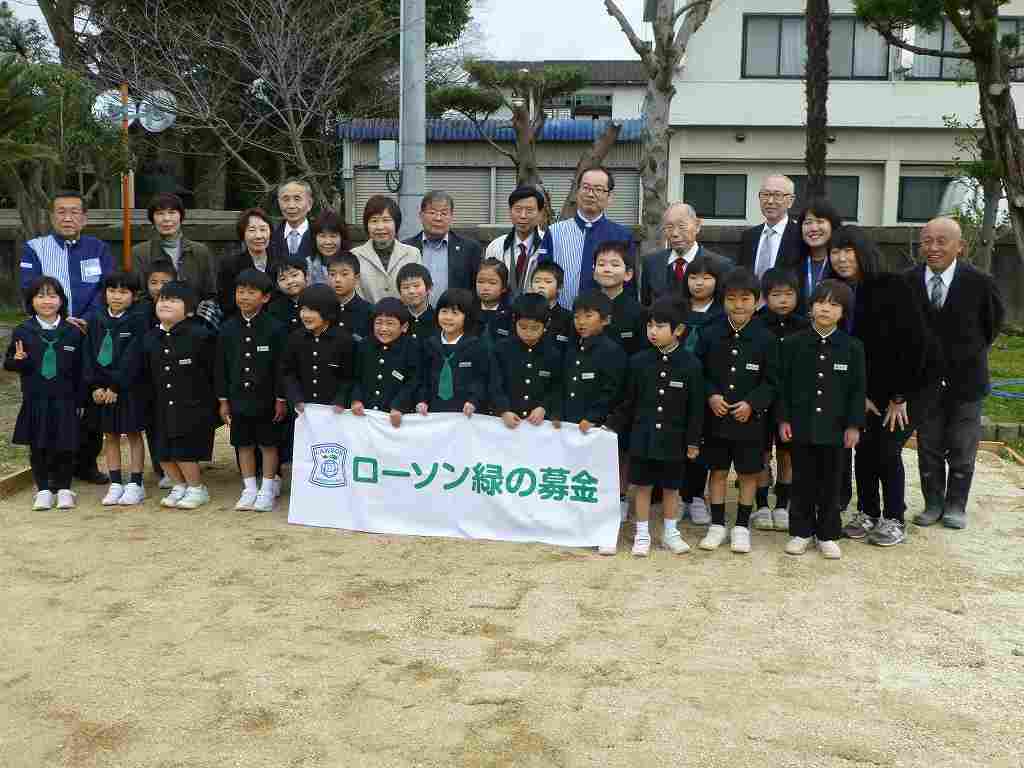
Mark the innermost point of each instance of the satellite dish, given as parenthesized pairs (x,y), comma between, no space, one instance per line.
(107,108)
(158,111)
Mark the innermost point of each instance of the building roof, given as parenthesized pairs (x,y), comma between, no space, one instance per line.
(600,72)
(497,130)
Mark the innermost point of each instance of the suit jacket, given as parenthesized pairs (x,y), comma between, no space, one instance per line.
(654,275)
(375,282)
(961,332)
(501,248)
(790,250)
(463,260)
(278,247)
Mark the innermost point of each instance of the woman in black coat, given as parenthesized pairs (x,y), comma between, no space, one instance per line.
(254,230)
(892,328)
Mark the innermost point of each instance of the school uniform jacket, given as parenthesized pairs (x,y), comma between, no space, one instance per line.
(782,327)
(561,328)
(125,368)
(470,364)
(424,326)
(285,310)
(527,377)
(354,317)
(496,324)
(697,322)
(248,359)
(739,365)
(178,368)
(628,327)
(319,368)
(595,371)
(823,386)
(388,375)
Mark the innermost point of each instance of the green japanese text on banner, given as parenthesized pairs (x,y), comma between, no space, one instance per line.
(446,475)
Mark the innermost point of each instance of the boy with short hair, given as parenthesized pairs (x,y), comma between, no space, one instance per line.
(388,364)
(613,269)
(547,280)
(781,290)
(821,410)
(354,310)
(252,403)
(414,285)
(740,380)
(291,276)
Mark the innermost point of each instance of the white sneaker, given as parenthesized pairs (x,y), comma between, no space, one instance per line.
(65,499)
(780,519)
(264,501)
(699,513)
(114,494)
(641,546)
(194,498)
(673,542)
(624,509)
(762,520)
(739,539)
(165,483)
(171,499)
(797,545)
(829,550)
(713,538)
(247,500)
(43,500)
(133,494)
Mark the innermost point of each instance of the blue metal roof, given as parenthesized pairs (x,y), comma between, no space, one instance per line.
(498,130)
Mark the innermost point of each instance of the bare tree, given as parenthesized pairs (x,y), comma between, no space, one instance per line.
(819,25)
(673,28)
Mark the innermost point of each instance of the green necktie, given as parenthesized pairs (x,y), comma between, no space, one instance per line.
(445,385)
(49,369)
(106,355)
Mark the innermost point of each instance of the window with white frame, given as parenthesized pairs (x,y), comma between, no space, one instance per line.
(776,46)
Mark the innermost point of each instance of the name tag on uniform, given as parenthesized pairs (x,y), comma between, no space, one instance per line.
(356,337)
(69,349)
(544,374)
(502,331)
(124,335)
(676,384)
(626,334)
(466,364)
(398,375)
(333,365)
(91,270)
(840,367)
(753,366)
(185,361)
(26,265)
(264,348)
(587,376)
(560,337)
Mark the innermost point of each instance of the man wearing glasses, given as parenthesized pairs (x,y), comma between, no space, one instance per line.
(776,243)
(664,271)
(573,240)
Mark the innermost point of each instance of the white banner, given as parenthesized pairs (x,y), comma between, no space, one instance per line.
(446,475)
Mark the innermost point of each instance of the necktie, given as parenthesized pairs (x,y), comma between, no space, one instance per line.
(293,242)
(106,354)
(521,263)
(938,294)
(679,269)
(445,382)
(49,368)
(764,253)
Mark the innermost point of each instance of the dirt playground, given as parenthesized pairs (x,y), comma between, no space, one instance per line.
(157,638)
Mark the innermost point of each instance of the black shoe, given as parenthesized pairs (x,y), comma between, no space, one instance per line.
(930,515)
(955,516)
(92,475)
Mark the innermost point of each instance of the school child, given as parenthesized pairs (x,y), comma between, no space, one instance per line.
(740,380)
(116,399)
(46,352)
(821,410)
(354,310)
(414,285)
(456,363)
(702,279)
(664,408)
(595,368)
(291,276)
(252,402)
(492,294)
(527,378)
(781,289)
(318,365)
(160,273)
(388,365)
(547,280)
(178,358)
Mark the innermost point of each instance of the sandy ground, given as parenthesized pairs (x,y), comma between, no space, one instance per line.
(166,639)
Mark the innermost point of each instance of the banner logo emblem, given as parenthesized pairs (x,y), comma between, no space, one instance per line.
(328,465)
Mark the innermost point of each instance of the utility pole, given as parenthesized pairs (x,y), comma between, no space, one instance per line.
(413,114)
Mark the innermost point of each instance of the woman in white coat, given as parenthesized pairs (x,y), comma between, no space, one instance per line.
(382,255)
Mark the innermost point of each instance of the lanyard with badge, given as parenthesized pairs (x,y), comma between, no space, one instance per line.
(814,278)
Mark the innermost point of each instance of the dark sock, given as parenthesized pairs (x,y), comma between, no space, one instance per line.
(782,494)
(743,515)
(762,496)
(115,476)
(718,514)
(136,478)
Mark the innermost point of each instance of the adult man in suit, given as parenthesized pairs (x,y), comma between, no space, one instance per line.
(965,314)
(776,242)
(522,247)
(293,237)
(664,271)
(453,261)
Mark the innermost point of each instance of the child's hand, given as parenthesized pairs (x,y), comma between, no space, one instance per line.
(536,416)
(786,431)
(870,407)
(225,412)
(422,409)
(357,408)
(469,409)
(339,409)
(395,416)
(692,452)
(300,407)
(741,411)
(851,437)
(718,405)
(97,396)
(585,426)
(510,419)
(280,410)
(19,351)
(111,396)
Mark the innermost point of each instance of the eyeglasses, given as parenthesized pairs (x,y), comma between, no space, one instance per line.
(592,190)
(774,195)
(675,227)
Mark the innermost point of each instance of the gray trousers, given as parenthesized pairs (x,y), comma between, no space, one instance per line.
(947,434)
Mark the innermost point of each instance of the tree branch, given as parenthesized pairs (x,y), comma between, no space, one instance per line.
(480,130)
(680,11)
(886,31)
(643,49)
(692,24)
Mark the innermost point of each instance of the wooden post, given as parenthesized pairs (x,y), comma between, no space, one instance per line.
(126,202)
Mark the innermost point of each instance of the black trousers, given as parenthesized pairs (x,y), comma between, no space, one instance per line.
(846,482)
(880,463)
(52,469)
(814,507)
(947,435)
(90,443)
(696,479)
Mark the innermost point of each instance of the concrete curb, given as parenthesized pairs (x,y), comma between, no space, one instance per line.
(1001,431)
(16,481)
(989,446)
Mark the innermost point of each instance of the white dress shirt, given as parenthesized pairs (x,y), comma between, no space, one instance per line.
(780,229)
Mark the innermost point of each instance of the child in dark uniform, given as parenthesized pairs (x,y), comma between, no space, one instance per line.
(160,273)
(664,404)
(740,380)
(178,358)
(456,363)
(547,280)
(388,368)
(318,365)
(117,402)
(821,410)
(527,367)
(414,284)
(252,402)
(291,276)
(46,352)
(781,289)
(354,310)
(492,295)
